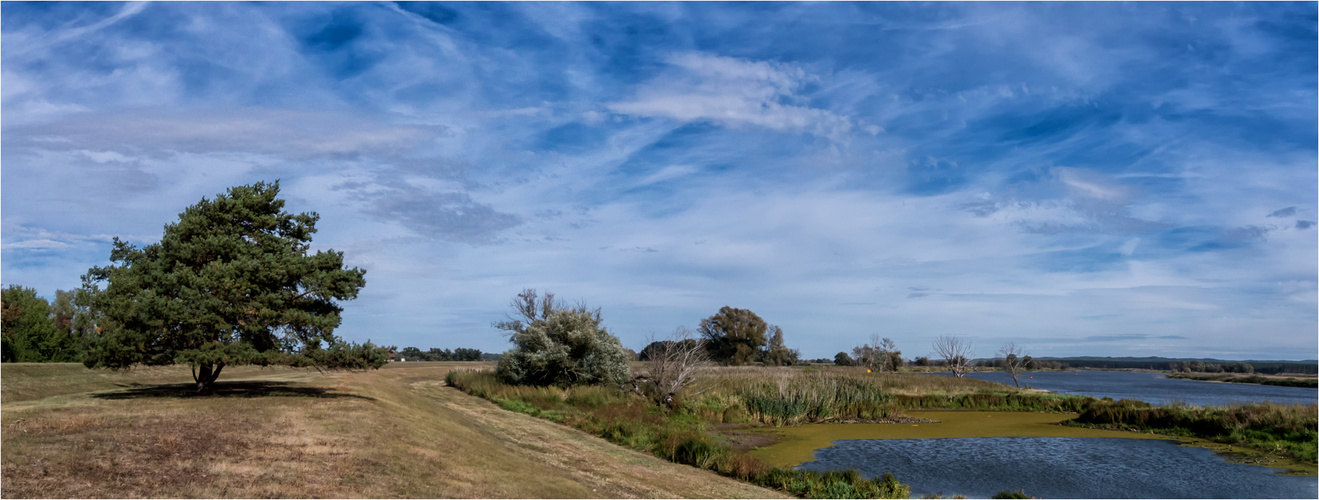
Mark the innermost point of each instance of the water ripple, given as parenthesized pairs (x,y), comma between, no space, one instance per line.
(1060,468)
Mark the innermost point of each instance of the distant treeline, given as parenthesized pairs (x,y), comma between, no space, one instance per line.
(1027,363)
(437,354)
(1208,365)
(33,330)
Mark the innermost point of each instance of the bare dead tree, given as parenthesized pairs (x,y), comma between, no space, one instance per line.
(673,366)
(956,351)
(527,308)
(1013,360)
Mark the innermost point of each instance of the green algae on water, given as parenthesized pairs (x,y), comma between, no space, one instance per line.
(797,444)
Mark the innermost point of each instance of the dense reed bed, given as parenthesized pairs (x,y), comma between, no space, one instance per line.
(780,396)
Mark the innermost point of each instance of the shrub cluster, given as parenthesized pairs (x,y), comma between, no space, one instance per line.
(558,345)
(569,347)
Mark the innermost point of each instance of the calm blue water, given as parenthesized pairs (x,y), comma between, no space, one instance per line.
(1152,388)
(1060,468)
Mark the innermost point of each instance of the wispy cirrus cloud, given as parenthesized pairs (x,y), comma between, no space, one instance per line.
(1002,172)
(733,92)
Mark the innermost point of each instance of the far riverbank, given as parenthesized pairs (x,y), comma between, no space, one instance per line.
(1311,382)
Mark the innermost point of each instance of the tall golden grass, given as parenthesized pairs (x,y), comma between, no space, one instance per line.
(779,396)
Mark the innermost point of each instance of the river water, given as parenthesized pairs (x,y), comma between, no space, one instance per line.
(1060,468)
(1152,388)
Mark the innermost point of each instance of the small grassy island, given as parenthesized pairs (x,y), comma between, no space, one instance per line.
(1235,378)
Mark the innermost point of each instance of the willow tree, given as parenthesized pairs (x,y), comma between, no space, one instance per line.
(230,283)
(734,336)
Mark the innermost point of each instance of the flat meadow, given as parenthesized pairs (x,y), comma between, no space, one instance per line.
(397,432)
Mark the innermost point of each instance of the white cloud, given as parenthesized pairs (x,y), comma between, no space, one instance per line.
(41,244)
(667,173)
(61,35)
(1091,184)
(285,133)
(734,92)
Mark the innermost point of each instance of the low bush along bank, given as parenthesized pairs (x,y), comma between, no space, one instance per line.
(790,396)
(1287,429)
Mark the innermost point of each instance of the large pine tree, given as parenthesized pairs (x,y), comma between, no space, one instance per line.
(230,283)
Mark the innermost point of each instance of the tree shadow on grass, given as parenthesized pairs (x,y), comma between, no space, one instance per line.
(231,389)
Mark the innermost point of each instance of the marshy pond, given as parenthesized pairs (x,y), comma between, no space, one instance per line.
(979,453)
(1060,467)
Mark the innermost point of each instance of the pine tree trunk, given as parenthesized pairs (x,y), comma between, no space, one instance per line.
(205,377)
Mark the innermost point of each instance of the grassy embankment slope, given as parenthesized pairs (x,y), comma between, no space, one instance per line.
(395,432)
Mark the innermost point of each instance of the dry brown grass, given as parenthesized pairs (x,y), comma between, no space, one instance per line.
(395,432)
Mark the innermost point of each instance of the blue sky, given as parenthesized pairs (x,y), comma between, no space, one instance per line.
(1079,178)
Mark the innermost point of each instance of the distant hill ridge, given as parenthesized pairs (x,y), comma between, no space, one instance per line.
(1162,363)
(1159,359)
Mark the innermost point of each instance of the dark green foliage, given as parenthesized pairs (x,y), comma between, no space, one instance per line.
(29,333)
(229,283)
(1012,494)
(734,336)
(657,347)
(776,353)
(554,345)
(72,314)
(842,359)
(437,354)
